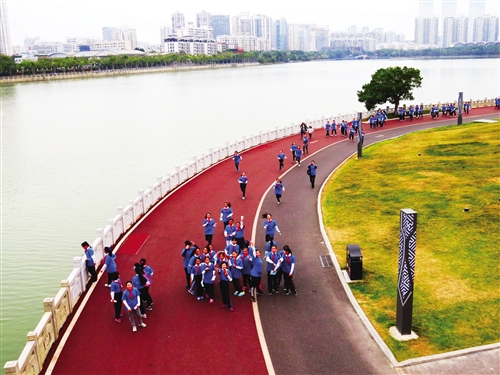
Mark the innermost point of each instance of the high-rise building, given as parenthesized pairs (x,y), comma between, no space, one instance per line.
(322,38)
(262,26)
(281,35)
(203,19)
(178,20)
(485,29)
(220,25)
(107,33)
(477,8)
(5,46)
(426,30)
(455,30)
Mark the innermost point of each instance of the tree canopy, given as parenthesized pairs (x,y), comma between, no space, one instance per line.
(391,85)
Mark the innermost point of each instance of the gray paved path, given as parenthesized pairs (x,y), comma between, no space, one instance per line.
(319,331)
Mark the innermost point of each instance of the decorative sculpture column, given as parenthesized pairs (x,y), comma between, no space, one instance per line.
(360,134)
(406,270)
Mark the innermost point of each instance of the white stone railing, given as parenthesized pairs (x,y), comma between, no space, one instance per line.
(58,309)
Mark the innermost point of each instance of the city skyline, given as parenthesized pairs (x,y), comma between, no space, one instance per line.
(56,20)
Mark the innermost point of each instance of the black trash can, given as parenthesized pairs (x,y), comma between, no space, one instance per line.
(354,260)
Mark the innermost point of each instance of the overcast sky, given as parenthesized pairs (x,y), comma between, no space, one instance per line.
(53,20)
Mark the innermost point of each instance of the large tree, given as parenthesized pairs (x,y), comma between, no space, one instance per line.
(391,85)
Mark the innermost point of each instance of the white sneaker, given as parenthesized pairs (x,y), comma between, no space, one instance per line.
(134,329)
(144,316)
(143,325)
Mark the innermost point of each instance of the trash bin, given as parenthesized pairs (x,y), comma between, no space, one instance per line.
(354,260)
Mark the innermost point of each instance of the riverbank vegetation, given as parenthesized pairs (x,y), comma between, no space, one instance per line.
(438,173)
(82,64)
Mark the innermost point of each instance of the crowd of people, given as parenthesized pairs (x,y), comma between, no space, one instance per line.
(135,298)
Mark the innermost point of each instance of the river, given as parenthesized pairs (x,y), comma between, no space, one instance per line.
(73,151)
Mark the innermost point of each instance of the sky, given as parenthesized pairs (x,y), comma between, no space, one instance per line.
(54,20)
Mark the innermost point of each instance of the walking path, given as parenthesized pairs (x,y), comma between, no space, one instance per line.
(319,331)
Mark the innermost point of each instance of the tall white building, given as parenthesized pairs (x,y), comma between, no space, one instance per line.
(203,19)
(485,29)
(477,8)
(426,30)
(5,46)
(178,21)
(126,34)
(280,35)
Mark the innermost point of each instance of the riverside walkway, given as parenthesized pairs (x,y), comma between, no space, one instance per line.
(316,332)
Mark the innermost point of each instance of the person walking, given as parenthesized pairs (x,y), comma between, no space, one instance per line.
(334,128)
(230,232)
(140,282)
(187,252)
(224,278)
(148,272)
(116,296)
(288,268)
(197,278)
(236,266)
(109,265)
(256,276)
(303,129)
(298,155)
(132,302)
(243,181)
(89,261)
(237,158)
(208,274)
(311,171)
(226,213)
(270,226)
(246,260)
(281,158)
(278,189)
(293,149)
(209,225)
(240,233)
(273,263)
(310,130)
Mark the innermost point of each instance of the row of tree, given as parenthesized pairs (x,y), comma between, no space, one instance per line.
(82,64)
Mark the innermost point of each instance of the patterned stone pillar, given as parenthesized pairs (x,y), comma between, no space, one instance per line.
(360,134)
(406,270)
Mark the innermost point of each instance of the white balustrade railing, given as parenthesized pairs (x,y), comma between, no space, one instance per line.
(59,308)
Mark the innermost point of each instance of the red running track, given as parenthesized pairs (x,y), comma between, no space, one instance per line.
(183,335)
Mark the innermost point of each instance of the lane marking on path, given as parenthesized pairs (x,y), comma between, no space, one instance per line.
(380,136)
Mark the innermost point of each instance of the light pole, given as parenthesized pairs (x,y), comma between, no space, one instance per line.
(460,105)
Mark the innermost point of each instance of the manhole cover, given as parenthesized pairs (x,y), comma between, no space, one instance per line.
(326,261)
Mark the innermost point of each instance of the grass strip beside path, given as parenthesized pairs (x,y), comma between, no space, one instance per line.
(437,173)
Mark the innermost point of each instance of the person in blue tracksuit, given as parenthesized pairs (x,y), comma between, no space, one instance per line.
(288,267)
(351,133)
(243,181)
(373,122)
(208,273)
(141,282)
(239,234)
(209,225)
(148,273)
(293,149)
(197,278)
(273,263)
(327,128)
(246,260)
(132,302)
(236,267)
(110,265)
(298,155)
(281,159)
(421,111)
(311,171)
(270,226)
(278,189)
(89,261)
(116,296)
(237,159)
(256,275)
(233,246)
(310,129)
(187,252)
(443,110)
(191,264)
(224,278)
(229,232)
(303,129)
(305,145)
(226,213)
(334,128)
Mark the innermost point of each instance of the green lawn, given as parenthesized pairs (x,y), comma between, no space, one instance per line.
(457,285)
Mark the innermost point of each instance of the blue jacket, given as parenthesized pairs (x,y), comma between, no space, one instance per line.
(288,263)
(281,156)
(223,277)
(131,298)
(230,248)
(230,232)
(247,264)
(312,169)
(208,273)
(273,261)
(298,153)
(236,267)
(110,263)
(256,270)
(279,188)
(237,158)
(187,254)
(243,180)
(209,226)
(271,227)
(226,214)
(88,254)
